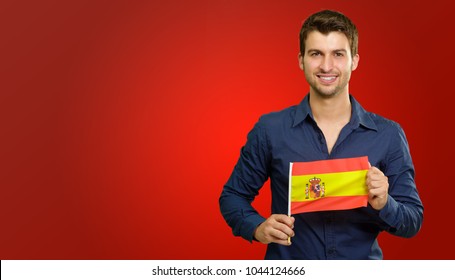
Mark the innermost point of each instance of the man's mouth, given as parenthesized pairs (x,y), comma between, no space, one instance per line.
(327,78)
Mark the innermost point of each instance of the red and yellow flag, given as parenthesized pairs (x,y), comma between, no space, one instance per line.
(335,184)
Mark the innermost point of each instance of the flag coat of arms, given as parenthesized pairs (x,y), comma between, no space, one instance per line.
(336,184)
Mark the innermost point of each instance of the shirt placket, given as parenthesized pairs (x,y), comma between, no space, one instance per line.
(330,237)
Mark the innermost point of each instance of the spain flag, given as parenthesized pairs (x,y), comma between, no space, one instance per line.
(335,184)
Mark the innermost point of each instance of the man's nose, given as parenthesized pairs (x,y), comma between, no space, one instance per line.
(327,63)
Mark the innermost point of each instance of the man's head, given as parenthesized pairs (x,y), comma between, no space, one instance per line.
(329,21)
(328,53)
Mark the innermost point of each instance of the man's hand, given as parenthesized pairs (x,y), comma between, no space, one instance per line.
(378,188)
(277,228)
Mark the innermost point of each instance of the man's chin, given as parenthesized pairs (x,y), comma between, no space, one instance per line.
(327,94)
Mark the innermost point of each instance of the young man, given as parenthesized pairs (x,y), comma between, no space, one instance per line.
(328,124)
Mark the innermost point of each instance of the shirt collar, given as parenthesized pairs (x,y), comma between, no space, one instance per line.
(359,115)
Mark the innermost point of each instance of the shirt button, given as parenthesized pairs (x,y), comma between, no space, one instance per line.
(331,251)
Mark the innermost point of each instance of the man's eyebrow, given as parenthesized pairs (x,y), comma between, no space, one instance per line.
(333,51)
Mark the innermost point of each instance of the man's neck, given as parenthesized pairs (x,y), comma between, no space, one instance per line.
(334,109)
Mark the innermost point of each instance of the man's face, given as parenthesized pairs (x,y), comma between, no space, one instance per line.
(328,63)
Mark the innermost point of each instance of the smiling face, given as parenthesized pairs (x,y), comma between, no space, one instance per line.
(328,63)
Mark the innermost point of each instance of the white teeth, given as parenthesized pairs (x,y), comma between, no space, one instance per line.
(328,78)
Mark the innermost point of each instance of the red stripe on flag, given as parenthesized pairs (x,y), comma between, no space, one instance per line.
(330,166)
(329,203)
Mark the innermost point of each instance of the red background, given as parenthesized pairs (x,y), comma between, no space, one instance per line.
(121,120)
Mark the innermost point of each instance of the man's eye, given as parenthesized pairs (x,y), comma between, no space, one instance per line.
(315,54)
(339,54)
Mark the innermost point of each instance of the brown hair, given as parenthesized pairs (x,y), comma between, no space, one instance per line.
(327,21)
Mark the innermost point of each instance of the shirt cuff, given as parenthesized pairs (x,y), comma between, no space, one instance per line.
(251,223)
(389,214)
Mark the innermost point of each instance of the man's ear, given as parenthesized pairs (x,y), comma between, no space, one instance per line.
(355,62)
(300,61)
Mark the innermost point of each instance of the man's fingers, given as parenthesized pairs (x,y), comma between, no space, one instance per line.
(280,237)
(289,221)
(375,192)
(375,178)
(378,185)
(279,234)
(285,229)
(374,184)
(283,224)
(275,235)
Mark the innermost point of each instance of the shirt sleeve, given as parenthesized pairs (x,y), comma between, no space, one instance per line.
(404,209)
(248,177)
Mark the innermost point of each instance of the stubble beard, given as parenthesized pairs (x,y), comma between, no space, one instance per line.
(328,92)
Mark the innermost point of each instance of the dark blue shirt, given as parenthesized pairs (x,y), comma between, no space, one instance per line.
(292,135)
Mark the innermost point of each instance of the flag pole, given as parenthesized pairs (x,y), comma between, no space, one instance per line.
(289,195)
